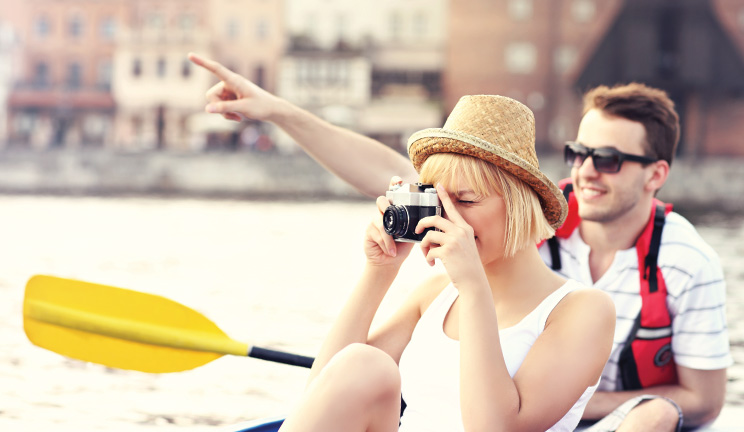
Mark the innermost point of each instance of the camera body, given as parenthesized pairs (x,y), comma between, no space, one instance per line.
(409,204)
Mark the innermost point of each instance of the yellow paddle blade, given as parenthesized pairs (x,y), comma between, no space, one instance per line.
(120,328)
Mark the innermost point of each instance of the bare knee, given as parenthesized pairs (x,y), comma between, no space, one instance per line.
(364,371)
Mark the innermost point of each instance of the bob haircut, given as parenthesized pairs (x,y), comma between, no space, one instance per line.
(526,223)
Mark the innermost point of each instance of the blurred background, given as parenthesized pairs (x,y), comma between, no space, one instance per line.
(102,94)
(101,117)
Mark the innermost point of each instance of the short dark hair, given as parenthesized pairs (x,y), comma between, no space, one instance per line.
(649,106)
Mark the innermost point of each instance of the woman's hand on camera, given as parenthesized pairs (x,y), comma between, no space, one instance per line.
(379,246)
(454,244)
(235,97)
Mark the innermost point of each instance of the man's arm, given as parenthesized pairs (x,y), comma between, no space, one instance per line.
(700,394)
(364,163)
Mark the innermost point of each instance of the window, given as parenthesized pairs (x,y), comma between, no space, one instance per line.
(396,25)
(420,24)
(341,26)
(107,28)
(311,25)
(24,122)
(187,22)
(564,58)
(104,74)
(75,26)
(136,67)
(185,68)
(259,76)
(536,101)
(74,75)
(42,27)
(233,28)
(583,10)
(161,67)
(520,10)
(262,29)
(41,74)
(94,125)
(520,57)
(155,20)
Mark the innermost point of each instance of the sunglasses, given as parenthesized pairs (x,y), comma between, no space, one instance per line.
(605,160)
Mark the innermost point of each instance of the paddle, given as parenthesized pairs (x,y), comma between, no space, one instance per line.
(127,329)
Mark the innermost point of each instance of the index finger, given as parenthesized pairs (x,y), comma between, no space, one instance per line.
(216,68)
(449,208)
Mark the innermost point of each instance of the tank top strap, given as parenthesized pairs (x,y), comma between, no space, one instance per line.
(441,305)
(552,300)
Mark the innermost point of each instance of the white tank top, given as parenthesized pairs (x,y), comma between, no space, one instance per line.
(430,365)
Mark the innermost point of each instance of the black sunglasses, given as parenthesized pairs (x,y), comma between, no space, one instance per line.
(605,160)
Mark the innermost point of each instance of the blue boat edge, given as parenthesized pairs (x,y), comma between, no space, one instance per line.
(730,420)
(260,425)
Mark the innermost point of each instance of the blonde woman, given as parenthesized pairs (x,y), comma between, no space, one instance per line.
(499,342)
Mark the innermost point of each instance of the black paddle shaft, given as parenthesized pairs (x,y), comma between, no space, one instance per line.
(281,357)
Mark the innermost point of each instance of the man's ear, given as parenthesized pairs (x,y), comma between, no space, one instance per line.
(657,176)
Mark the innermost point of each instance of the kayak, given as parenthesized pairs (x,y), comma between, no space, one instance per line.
(730,420)
(261,425)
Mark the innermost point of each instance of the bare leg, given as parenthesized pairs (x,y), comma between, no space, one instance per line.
(359,390)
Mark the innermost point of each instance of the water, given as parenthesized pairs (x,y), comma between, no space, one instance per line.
(272,274)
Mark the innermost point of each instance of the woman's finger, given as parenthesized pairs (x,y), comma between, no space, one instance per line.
(230,78)
(216,68)
(449,208)
(389,243)
(382,204)
(433,239)
(436,222)
(395,180)
(216,93)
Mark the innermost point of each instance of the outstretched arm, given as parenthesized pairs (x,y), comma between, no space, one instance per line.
(364,163)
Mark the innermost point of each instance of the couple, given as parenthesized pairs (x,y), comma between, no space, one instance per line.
(528,345)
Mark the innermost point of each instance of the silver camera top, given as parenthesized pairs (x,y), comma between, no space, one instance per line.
(413,194)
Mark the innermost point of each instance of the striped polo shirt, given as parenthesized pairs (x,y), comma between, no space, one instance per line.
(696,295)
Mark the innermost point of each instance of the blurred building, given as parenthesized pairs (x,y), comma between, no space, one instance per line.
(248,37)
(62,95)
(156,88)
(78,73)
(373,67)
(8,69)
(545,53)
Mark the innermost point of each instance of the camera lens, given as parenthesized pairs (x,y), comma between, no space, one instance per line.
(395,220)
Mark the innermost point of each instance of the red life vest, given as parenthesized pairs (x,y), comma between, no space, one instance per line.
(647,359)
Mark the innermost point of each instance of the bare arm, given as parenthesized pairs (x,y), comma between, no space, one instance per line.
(384,258)
(700,395)
(364,163)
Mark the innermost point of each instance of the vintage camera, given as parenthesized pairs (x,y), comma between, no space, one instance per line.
(409,204)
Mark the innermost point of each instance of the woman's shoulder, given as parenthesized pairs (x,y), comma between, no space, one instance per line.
(587,304)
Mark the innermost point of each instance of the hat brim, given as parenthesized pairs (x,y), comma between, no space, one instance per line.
(426,142)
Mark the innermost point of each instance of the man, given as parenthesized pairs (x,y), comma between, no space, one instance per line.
(621,158)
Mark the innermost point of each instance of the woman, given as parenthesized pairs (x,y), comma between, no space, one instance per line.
(499,342)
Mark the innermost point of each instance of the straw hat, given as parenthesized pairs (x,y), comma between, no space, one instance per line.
(499,130)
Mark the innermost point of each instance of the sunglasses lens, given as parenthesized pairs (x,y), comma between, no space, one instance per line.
(573,157)
(606,162)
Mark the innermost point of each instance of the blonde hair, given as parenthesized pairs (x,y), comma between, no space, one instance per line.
(526,223)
